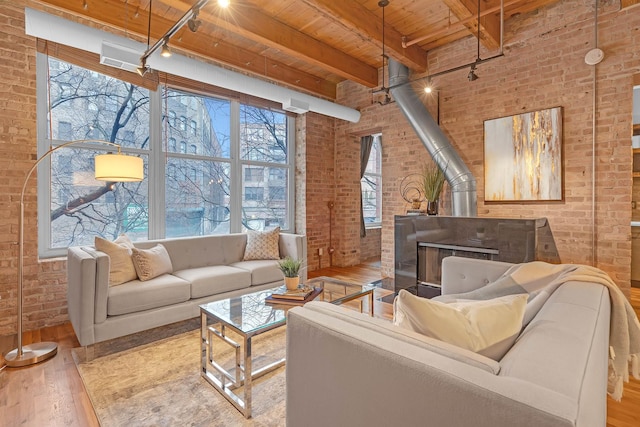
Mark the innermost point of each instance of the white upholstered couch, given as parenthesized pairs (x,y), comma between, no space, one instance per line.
(204,269)
(344,368)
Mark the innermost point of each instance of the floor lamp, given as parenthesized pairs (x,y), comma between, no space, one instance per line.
(108,167)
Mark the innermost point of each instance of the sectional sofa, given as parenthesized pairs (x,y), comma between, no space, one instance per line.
(349,369)
(203,269)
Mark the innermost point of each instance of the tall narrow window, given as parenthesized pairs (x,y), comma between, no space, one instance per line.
(371,185)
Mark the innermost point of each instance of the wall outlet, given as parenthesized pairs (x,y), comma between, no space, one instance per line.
(320,251)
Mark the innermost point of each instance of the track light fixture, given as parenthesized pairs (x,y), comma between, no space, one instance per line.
(190,18)
(165,51)
(194,23)
(472,73)
(143,68)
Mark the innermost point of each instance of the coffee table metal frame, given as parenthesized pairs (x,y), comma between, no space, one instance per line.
(227,382)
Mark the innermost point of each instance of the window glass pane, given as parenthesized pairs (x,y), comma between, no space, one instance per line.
(203,126)
(264,203)
(373,166)
(197,197)
(82,208)
(90,105)
(371,185)
(371,197)
(263,135)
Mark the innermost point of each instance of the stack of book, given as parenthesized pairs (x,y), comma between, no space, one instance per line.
(303,294)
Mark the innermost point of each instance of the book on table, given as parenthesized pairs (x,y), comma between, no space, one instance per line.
(300,296)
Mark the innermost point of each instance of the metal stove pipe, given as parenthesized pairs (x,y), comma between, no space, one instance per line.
(457,174)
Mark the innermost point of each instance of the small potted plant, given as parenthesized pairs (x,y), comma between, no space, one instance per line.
(432,183)
(290,268)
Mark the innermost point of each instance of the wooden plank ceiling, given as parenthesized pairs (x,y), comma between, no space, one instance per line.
(309,45)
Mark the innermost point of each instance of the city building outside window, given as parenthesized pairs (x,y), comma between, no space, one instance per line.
(254,194)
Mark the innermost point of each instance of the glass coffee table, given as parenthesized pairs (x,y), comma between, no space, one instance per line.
(248,316)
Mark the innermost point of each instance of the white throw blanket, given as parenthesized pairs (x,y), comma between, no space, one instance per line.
(540,280)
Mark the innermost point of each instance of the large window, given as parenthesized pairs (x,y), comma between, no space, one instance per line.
(371,186)
(194,183)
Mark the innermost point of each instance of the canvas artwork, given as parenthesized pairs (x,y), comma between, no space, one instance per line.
(523,157)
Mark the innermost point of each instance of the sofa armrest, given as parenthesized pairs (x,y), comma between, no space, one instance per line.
(466,274)
(101,284)
(295,246)
(81,278)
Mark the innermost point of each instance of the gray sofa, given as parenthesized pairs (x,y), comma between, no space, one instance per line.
(205,269)
(348,369)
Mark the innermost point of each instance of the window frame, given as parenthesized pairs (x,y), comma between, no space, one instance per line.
(156,160)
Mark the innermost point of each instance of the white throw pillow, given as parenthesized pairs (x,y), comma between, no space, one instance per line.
(262,245)
(121,268)
(488,327)
(152,262)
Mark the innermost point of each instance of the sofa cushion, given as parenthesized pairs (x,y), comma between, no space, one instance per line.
(137,296)
(121,268)
(488,327)
(201,251)
(388,328)
(262,271)
(262,245)
(152,262)
(216,279)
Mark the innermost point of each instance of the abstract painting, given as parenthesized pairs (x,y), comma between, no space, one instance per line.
(523,157)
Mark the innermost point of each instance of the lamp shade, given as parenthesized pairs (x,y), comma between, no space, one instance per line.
(119,168)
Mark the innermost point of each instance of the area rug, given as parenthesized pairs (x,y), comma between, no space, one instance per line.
(159,384)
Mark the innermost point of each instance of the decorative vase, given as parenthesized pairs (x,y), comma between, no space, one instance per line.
(415,204)
(432,207)
(292,282)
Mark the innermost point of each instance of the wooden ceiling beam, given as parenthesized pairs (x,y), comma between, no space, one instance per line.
(114,14)
(249,22)
(354,16)
(489,25)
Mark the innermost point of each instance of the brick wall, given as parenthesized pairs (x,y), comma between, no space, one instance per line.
(370,244)
(543,67)
(320,188)
(44,282)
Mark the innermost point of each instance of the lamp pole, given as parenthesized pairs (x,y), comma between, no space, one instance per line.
(41,351)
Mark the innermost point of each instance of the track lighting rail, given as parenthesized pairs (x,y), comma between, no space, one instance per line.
(188,16)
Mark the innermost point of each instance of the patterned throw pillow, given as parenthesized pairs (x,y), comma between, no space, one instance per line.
(262,245)
(152,262)
(121,268)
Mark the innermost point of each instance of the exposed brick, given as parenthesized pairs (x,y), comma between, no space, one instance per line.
(543,67)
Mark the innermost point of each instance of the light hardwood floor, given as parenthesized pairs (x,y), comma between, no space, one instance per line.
(52,393)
